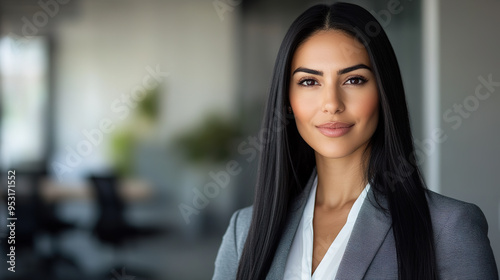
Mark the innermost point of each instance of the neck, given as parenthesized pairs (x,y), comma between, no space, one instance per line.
(340,180)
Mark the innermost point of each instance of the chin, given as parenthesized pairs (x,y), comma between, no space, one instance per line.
(334,153)
(338,151)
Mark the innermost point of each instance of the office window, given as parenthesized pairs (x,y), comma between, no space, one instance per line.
(24,82)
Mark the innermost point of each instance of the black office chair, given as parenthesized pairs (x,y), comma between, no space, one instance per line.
(111,226)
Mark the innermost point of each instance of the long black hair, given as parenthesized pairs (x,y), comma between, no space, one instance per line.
(287,162)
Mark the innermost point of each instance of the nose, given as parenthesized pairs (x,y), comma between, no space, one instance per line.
(332,100)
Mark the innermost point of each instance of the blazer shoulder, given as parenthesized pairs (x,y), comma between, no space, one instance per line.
(444,209)
(237,230)
(444,201)
(439,202)
(242,220)
(229,254)
(463,250)
(448,212)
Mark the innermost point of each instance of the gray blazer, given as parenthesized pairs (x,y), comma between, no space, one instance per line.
(462,246)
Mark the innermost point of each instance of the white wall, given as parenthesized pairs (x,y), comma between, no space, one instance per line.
(103,50)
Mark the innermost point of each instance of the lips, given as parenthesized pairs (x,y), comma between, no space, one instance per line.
(335,125)
(335,129)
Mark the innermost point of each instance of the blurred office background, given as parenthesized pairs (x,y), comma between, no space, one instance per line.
(115,113)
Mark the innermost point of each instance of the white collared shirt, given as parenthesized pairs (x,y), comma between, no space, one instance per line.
(299,261)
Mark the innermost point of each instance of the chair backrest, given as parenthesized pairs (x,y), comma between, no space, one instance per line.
(111,221)
(105,188)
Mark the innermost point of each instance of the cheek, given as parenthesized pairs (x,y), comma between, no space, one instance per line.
(303,108)
(367,108)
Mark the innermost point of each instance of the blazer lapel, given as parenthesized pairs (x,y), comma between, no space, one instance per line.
(370,230)
(277,269)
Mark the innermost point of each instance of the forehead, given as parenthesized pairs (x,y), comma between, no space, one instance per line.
(330,48)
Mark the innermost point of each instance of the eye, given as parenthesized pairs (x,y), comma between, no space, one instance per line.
(356,81)
(308,82)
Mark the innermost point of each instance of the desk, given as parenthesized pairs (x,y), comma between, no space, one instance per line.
(129,189)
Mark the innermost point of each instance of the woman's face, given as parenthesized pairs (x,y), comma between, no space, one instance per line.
(333,94)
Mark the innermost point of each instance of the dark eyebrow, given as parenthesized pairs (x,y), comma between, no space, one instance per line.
(307,70)
(352,68)
(340,72)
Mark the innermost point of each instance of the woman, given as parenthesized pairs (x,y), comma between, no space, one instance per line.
(339,195)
